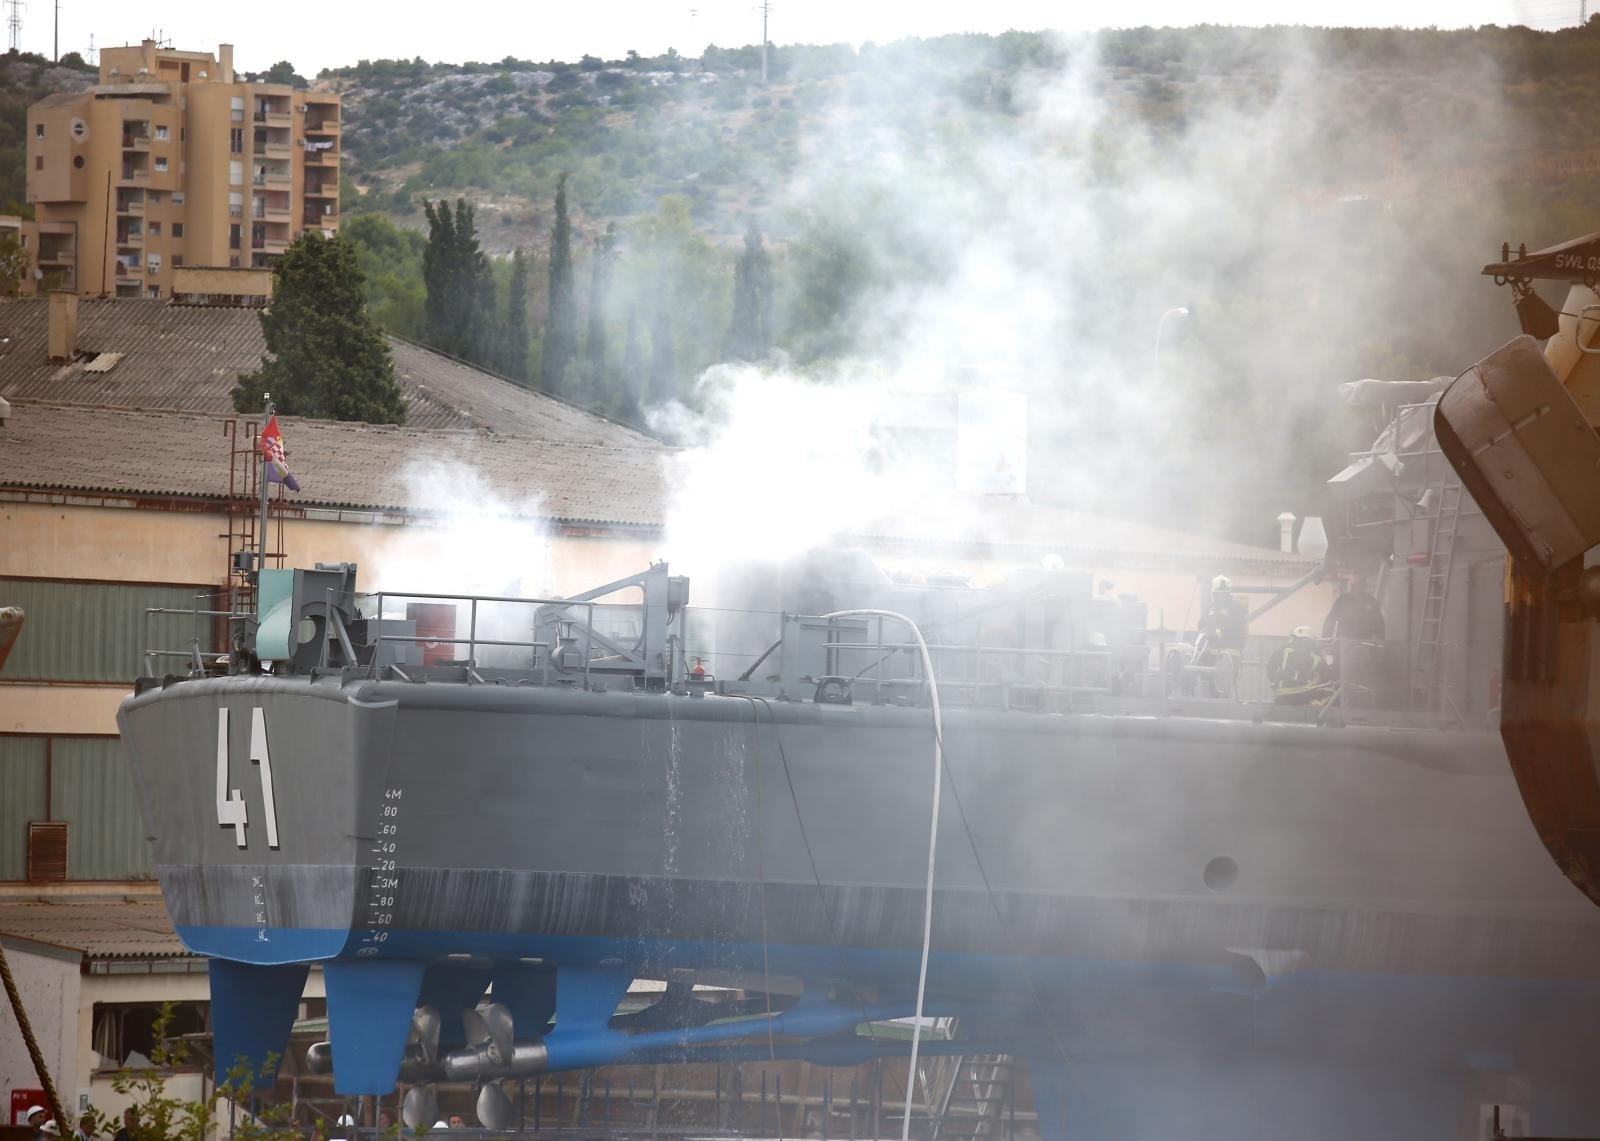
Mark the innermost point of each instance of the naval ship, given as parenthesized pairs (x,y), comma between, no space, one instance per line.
(1193,911)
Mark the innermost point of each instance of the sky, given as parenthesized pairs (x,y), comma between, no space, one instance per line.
(340,34)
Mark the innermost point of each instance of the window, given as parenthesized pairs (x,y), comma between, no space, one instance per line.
(152,263)
(161,134)
(177,198)
(234,234)
(177,260)
(183,134)
(237,109)
(154,197)
(177,232)
(236,174)
(233,261)
(161,163)
(38,130)
(155,291)
(236,141)
(38,162)
(155,229)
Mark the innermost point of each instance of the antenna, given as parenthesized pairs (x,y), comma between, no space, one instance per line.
(14,22)
(766,10)
(91,56)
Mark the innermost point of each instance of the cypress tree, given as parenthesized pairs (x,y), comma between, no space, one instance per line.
(594,349)
(632,379)
(750,331)
(663,358)
(561,318)
(460,307)
(439,276)
(514,343)
(326,357)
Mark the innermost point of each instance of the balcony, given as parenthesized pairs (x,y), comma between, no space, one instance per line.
(130,205)
(321,125)
(321,157)
(317,218)
(135,140)
(60,256)
(135,173)
(129,267)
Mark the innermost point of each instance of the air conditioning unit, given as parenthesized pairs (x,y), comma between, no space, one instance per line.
(304,108)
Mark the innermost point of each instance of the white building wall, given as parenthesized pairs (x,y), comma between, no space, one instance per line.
(48,981)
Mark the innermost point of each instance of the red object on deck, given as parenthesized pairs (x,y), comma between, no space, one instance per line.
(434,620)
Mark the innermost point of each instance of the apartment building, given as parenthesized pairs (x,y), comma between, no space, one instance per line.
(170,160)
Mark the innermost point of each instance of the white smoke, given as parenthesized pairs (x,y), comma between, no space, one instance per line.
(1046,244)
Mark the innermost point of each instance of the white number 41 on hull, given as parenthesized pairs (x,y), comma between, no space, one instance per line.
(231,811)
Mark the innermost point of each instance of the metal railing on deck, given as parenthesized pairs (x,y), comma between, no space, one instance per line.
(472,641)
(195,654)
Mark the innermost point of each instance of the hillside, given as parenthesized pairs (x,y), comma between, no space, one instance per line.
(1320,200)
(631,131)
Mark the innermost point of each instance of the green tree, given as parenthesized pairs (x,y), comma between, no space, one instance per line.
(14,263)
(561,316)
(594,345)
(326,358)
(391,261)
(514,340)
(283,72)
(750,331)
(632,378)
(458,281)
(663,355)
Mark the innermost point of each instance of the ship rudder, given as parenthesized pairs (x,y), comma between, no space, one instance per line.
(370,1007)
(252,1012)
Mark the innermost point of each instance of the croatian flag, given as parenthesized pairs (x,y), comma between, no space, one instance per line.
(272,462)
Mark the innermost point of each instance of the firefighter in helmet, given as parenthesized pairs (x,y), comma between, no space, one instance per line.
(1298,672)
(1226,621)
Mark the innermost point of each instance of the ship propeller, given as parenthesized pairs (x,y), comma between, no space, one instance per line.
(425,1035)
(420,1109)
(490,1032)
(495,1110)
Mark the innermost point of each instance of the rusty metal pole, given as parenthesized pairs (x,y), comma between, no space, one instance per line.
(34,1052)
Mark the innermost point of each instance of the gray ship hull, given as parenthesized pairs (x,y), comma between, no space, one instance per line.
(1138,891)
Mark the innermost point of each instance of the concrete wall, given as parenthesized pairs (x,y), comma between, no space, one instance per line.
(48,980)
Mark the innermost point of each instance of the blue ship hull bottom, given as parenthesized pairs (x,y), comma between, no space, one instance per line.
(1136,1048)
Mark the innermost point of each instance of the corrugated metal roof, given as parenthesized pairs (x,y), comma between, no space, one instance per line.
(116,927)
(337,465)
(188,358)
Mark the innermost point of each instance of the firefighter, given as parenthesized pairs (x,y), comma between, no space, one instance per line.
(1355,614)
(1298,672)
(1226,621)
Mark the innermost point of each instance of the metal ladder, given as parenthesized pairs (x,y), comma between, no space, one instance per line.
(1441,560)
(976,1101)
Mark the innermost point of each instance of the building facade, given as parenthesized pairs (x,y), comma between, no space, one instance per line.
(170,160)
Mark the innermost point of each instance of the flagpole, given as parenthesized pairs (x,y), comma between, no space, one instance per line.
(261,458)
